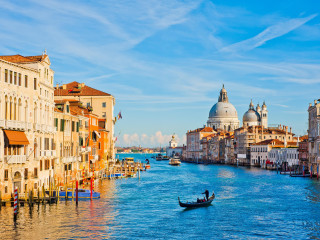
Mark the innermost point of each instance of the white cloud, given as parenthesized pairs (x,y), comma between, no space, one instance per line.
(153,140)
(270,33)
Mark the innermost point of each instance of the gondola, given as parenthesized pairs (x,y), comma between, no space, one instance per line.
(196,204)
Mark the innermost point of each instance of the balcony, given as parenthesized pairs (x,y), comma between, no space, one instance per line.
(67,160)
(2,123)
(16,159)
(37,126)
(43,127)
(53,153)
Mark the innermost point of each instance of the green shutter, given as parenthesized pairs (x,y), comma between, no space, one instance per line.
(56,122)
(61,125)
(77,126)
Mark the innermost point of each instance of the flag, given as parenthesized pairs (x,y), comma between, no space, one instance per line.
(116,139)
(119,115)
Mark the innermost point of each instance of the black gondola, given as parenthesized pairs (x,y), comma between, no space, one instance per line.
(197,204)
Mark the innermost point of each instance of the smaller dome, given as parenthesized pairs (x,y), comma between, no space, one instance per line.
(251,116)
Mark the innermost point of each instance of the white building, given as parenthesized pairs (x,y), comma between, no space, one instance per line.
(223,115)
(173,148)
(285,157)
(26,123)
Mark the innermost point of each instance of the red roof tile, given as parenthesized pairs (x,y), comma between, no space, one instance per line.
(22,59)
(75,89)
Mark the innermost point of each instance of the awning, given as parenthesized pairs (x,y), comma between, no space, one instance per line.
(97,133)
(16,137)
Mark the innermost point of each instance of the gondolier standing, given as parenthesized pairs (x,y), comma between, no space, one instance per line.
(206,192)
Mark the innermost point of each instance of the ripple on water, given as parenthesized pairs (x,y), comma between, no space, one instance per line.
(249,204)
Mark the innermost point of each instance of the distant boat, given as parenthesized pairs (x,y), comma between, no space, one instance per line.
(166,158)
(175,161)
(197,204)
(159,157)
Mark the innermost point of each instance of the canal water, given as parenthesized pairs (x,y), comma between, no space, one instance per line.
(249,204)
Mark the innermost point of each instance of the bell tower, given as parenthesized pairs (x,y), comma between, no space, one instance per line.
(264,115)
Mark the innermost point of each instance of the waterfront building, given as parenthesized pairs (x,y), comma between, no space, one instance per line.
(259,152)
(102,104)
(244,137)
(284,157)
(223,115)
(67,143)
(173,148)
(194,148)
(314,135)
(256,117)
(205,145)
(303,150)
(26,123)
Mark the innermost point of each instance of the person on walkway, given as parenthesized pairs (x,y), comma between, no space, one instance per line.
(206,192)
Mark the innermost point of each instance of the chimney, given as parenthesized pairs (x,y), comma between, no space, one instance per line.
(290,129)
(57,86)
(64,86)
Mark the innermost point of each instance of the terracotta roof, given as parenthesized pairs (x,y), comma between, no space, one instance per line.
(22,59)
(57,110)
(77,89)
(76,110)
(276,143)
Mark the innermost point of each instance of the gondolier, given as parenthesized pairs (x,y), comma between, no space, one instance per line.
(206,192)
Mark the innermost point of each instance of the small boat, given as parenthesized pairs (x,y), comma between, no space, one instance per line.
(175,161)
(159,157)
(166,158)
(147,166)
(197,204)
(82,193)
(300,175)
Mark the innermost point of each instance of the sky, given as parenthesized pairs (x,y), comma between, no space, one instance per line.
(165,61)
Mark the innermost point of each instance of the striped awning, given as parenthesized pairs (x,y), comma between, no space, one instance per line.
(16,137)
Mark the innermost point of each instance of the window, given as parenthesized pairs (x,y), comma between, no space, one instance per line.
(88,104)
(61,125)
(72,126)
(104,104)
(6,174)
(26,173)
(19,79)
(10,76)
(26,81)
(15,78)
(68,109)
(40,165)
(78,126)
(104,114)
(35,84)
(6,75)
(56,122)
(52,163)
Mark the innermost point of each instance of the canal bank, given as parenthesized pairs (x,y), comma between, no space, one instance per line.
(250,203)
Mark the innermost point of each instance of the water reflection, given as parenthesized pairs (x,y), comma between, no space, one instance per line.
(250,203)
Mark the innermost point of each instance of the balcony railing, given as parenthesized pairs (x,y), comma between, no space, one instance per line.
(15,159)
(37,126)
(66,160)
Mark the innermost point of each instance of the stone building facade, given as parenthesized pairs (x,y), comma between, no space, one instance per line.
(26,123)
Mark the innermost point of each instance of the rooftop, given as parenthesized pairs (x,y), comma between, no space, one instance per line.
(77,89)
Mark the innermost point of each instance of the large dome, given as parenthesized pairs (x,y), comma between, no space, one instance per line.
(223,110)
(251,116)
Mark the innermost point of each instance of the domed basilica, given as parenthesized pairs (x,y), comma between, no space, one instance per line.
(223,115)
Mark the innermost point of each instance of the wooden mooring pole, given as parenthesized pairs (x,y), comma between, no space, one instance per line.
(15,211)
(77,192)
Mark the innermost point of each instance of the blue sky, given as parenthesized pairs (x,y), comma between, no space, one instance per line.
(165,61)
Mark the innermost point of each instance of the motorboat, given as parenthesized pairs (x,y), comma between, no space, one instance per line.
(165,158)
(175,161)
(159,157)
(82,193)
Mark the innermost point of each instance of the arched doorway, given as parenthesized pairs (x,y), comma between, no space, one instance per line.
(17,181)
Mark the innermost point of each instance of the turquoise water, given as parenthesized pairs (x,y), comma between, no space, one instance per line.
(249,204)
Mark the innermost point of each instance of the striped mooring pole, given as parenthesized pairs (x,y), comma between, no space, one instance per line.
(15,206)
